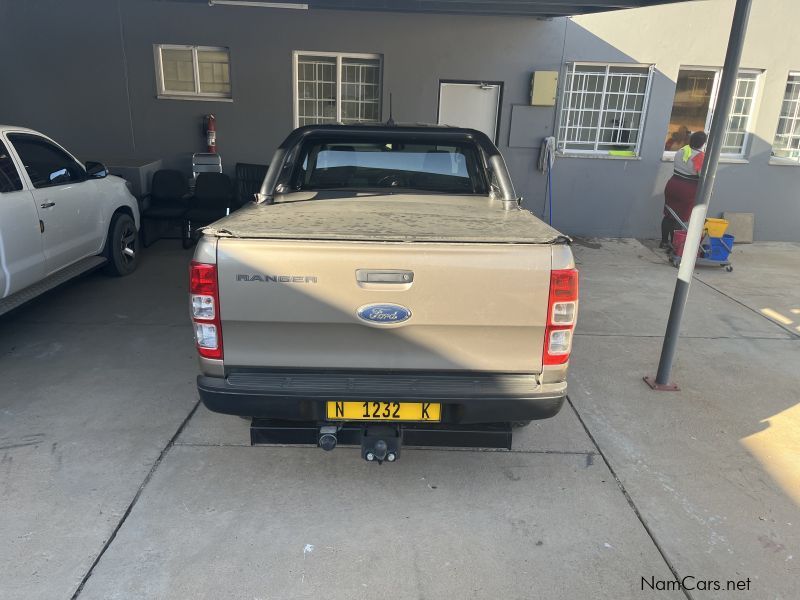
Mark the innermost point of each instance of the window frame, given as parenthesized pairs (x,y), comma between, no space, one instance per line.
(165,94)
(5,146)
(563,96)
(339,56)
(39,138)
(748,132)
(782,160)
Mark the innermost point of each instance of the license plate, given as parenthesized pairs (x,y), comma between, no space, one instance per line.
(384,411)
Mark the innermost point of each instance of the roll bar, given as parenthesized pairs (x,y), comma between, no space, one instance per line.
(282,160)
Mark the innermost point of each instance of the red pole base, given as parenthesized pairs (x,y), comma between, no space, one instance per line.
(660,387)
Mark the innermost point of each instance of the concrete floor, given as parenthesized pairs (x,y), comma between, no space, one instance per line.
(115,484)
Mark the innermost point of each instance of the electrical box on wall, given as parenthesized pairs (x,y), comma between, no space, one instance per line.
(544,87)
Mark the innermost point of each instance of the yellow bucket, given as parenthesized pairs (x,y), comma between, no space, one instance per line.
(716,227)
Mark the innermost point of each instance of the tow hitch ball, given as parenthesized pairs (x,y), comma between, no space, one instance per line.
(381,443)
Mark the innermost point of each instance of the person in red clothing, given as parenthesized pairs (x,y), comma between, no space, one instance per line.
(682,187)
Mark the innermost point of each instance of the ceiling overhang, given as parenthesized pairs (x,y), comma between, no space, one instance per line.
(530,8)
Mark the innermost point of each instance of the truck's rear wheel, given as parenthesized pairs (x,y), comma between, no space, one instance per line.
(122,246)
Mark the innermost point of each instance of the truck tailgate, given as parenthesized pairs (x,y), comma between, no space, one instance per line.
(291,303)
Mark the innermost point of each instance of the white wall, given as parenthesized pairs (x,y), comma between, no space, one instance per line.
(694,34)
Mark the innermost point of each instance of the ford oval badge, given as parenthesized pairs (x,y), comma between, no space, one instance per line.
(383,314)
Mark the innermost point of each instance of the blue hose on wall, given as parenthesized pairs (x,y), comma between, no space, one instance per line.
(550,195)
(547,157)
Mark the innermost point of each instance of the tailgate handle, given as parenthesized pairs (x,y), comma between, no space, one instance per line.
(384,276)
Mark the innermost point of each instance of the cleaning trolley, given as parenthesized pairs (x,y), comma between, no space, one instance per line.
(715,246)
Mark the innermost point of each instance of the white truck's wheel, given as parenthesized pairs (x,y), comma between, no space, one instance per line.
(122,246)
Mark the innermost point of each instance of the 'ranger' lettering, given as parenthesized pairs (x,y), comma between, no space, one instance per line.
(277,278)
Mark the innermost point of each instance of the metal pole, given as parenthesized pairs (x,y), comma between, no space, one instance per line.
(694,233)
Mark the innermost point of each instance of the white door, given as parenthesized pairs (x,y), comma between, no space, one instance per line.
(473,105)
(21,256)
(67,201)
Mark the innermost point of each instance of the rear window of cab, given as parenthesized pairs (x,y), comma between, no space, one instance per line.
(451,168)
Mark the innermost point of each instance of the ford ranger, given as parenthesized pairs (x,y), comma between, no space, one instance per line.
(384,273)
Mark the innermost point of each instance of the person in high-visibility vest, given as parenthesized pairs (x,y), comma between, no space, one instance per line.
(681,189)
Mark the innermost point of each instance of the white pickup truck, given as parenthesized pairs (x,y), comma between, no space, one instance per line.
(58,218)
(386,277)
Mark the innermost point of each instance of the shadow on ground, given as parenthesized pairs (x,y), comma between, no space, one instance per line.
(99,377)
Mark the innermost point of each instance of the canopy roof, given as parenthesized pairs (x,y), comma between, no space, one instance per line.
(532,8)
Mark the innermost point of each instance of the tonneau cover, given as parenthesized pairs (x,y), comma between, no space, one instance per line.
(387,217)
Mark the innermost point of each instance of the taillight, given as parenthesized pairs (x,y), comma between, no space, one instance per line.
(204,292)
(562,313)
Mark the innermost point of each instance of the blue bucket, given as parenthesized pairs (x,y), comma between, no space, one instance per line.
(719,251)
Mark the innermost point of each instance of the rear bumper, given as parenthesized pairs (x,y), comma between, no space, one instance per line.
(296,395)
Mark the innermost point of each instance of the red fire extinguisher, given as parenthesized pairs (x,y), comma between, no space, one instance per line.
(211,133)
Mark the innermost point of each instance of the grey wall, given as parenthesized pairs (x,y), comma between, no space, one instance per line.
(83,104)
(84,74)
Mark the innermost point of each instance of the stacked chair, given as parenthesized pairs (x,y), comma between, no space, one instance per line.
(171,204)
(249,178)
(212,200)
(166,204)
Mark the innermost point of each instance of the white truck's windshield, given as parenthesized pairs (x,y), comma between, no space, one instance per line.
(449,168)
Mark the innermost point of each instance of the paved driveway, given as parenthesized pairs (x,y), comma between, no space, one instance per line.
(115,484)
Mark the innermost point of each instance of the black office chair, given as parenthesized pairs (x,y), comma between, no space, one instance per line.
(213,196)
(249,178)
(167,201)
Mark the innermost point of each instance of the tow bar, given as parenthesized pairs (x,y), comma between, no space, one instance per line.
(380,442)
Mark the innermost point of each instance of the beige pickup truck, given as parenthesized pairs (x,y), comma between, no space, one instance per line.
(385,277)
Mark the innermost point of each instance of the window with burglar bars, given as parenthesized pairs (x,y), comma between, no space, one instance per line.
(603,108)
(736,134)
(337,88)
(696,92)
(787,138)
